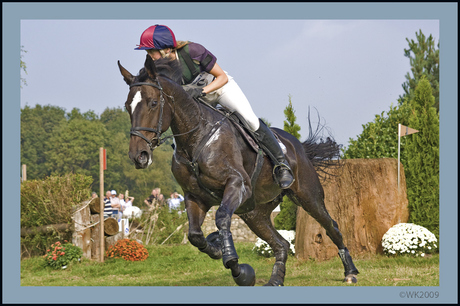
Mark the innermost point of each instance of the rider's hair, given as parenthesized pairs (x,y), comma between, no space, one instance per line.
(180,44)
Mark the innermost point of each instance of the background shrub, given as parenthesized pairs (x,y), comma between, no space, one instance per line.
(50,201)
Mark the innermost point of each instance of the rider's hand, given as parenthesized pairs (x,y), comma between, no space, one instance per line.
(195,92)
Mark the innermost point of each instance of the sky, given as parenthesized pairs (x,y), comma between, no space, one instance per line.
(347,71)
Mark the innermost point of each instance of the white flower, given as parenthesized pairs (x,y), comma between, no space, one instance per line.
(408,238)
(263,248)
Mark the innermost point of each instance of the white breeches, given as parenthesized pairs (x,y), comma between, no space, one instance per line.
(229,96)
(233,98)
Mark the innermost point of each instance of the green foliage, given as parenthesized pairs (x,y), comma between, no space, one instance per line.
(74,147)
(289,124)
(60,255)
(54,142)
(286,219)
(419,151)
(424,61)
(50,202)
(37,126)
(184,265)
(23,66)
(422,152)
(379,138)
(161,225)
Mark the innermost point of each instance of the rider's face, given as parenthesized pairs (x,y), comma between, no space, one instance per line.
(155,54)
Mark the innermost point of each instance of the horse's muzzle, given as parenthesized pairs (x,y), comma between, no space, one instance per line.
(142,160)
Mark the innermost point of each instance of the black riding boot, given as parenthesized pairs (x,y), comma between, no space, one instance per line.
(282,171)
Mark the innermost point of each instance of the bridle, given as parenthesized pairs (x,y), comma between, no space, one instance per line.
(136,130)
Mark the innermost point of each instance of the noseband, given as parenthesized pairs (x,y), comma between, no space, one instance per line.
(135,130)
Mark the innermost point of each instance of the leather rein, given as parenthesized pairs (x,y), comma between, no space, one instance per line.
(136,130)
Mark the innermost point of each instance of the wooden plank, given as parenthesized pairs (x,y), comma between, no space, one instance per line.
(95,238)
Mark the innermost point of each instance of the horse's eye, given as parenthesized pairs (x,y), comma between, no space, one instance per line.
(152,103)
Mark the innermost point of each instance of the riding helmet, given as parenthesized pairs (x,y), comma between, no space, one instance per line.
(157,37)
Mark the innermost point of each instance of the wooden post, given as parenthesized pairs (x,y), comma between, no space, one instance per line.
(81,235)
(101,197)
(24,173)
(96,238)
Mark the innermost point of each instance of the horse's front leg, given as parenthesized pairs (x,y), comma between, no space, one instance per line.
(196,215)
(236,192)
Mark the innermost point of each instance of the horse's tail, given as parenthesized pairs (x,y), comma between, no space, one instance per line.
(323,152)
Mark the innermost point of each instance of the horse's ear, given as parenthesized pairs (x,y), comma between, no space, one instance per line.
(127,76)
(150,67)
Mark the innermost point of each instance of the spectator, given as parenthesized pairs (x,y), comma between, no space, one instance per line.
(156,198)
(128,203)
(174,201)
(107,205)
(93,195)
(131,211)
(121,197)
(115,202)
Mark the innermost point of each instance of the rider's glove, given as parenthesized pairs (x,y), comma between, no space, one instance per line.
(195,92)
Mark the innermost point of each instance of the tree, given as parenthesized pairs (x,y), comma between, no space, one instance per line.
(286,219)
(74,147)
(116,120)
(380,137)
(37,126)
(23,66)
(424,61)
(289,124)
(422,153)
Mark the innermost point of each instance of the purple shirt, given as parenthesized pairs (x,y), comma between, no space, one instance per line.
(199,53)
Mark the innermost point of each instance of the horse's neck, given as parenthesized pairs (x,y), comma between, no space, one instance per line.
(190,119)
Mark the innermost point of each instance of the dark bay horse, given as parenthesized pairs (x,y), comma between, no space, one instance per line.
(213,163)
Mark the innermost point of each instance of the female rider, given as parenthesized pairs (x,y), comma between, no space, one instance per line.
(198,64)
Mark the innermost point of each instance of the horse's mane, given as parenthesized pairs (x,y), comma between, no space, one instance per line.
(166,68)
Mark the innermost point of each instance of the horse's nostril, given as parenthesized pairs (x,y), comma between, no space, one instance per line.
(143,157)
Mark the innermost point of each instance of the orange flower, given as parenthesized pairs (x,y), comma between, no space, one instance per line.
(62,253)
(54,258)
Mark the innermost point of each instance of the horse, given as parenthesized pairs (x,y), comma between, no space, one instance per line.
(214,163)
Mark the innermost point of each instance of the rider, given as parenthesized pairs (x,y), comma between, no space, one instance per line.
(197,63)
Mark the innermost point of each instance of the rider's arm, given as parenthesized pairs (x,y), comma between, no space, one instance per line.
(220,79)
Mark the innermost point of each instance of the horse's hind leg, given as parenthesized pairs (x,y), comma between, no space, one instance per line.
(259,222)
(314,205)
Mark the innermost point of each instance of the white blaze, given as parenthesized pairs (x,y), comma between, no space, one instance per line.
(137,98)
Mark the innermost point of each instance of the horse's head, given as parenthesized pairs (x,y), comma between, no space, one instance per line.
(150,113)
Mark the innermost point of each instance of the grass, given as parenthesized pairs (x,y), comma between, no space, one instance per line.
(184,265)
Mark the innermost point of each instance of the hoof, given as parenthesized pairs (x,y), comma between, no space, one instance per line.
(214,248)
(350,279)
(274,284)
(213,238)
(247,276)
